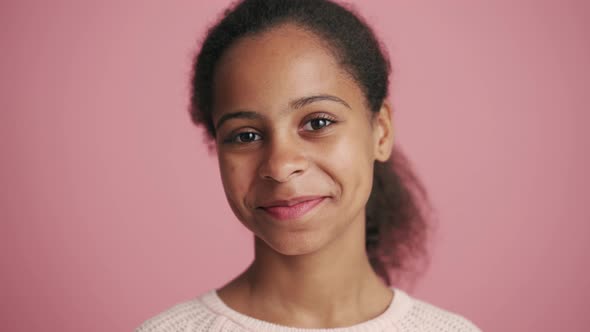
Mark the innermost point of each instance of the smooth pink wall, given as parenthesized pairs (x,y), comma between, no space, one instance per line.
(112,209)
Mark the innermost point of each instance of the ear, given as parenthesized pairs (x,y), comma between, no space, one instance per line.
(383,132)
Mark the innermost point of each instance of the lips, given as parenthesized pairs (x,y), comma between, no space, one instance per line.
(292,208)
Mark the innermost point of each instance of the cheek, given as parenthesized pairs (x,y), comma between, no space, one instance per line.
(236,175)
(347,159)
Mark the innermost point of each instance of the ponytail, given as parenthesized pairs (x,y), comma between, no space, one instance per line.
(395,217)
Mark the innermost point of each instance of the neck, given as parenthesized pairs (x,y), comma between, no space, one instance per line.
(340,269)
(334,286)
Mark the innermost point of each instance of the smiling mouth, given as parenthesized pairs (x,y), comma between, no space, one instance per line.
(292,210)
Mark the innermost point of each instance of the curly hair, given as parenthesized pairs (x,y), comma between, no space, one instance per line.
(395,213)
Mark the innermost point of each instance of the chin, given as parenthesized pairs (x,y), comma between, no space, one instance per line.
(294,244)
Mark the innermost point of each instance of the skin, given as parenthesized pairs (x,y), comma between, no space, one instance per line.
(311,272)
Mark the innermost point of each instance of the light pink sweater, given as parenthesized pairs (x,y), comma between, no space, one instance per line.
(209,313)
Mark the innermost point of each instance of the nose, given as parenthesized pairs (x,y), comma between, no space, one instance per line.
(283,160)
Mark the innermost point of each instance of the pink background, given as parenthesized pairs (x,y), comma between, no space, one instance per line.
(112,210)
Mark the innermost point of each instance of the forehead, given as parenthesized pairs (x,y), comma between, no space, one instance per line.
(269,69)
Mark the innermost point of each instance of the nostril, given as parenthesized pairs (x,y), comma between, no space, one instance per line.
(282,175)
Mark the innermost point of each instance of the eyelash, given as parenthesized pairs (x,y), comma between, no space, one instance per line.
(326,117)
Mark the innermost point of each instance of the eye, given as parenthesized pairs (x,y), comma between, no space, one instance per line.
(244,137)
(317,123)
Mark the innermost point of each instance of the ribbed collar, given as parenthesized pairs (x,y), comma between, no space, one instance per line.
(399,306)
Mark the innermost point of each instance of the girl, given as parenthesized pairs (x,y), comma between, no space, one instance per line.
(292,94)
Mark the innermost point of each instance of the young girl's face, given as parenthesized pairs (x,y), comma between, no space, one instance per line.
(295,139)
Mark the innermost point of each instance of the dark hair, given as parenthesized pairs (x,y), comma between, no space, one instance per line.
(395,222)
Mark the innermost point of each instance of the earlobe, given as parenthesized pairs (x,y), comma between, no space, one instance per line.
(384,133)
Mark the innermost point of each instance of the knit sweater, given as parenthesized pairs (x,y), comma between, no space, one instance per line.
(209,313)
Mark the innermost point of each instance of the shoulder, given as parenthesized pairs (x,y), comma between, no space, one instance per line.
(423,316)
(192,315)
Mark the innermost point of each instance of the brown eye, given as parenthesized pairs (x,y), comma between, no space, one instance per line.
(245,137)
(317,124)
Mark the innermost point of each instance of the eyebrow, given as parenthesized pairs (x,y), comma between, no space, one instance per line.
(294,104)
(237,115)
(301,102)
